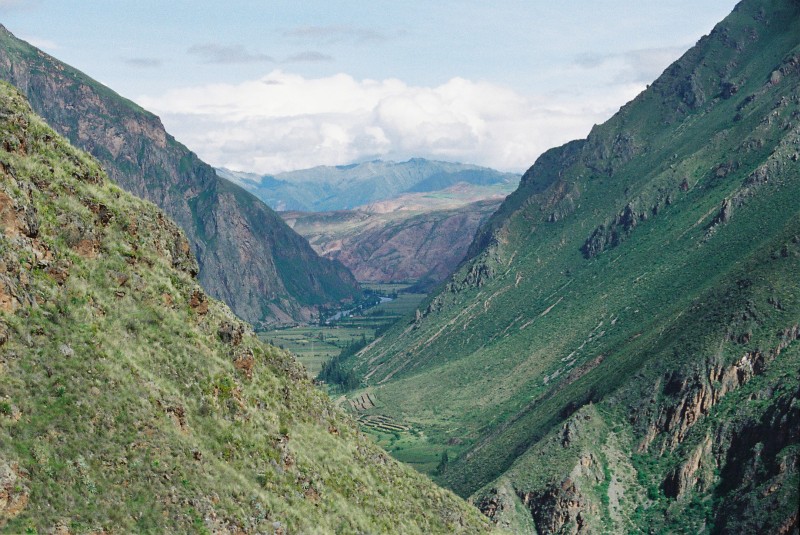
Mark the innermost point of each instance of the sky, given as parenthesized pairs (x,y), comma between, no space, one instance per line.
(270,86)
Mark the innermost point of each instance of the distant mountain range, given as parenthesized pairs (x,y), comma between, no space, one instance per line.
(344,187)
(417,237)
(248,256)
(386,221)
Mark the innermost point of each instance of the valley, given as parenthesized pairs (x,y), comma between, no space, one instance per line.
(608,342)
(415,224)
(384,305)
(134,402)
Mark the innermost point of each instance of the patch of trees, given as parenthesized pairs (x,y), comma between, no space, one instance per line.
(334,371)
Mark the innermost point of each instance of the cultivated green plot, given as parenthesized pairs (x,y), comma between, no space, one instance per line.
(404,305)
(386,288)
(313,345)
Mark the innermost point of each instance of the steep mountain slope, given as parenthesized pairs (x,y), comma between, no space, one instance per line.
(323,188)
(414,237)
(621,351)
(248,257)
(131,402)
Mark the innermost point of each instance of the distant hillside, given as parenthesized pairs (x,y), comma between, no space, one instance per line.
(130,402)
(620,353)
(248,257)
(414,237)
(324,189)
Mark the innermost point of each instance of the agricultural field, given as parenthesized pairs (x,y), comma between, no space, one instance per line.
(405,304)
(386,288)
(406,442)
(315,344)
(409,442)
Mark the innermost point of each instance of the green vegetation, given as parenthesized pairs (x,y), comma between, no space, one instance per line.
(402,306)
(338,377)
(374,320)
(313,345)
(637,293)
(336,340)
(388,289)
(132,402)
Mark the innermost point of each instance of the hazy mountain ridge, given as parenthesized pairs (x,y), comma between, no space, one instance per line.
(637,293)
(329,188)
(248,257)
(132,402)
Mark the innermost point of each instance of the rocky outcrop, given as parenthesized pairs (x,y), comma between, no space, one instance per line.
(247,256)
(606,153)
(14,491)
(758,468)
(559,490)
(559,509)
(684,478)
(690,396)
(613,232)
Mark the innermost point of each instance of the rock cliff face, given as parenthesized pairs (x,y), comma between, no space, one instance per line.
(403,245)
(620,353)
(248,257)
(132,402)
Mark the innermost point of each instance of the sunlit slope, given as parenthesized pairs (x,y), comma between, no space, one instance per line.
(131,402)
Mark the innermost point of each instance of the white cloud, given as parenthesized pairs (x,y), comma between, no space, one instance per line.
(285,121)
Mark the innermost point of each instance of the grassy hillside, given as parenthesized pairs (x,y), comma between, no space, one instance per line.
(621,350)
(248,256)
(132,402)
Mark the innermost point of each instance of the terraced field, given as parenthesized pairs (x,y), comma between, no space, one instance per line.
(381,423)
